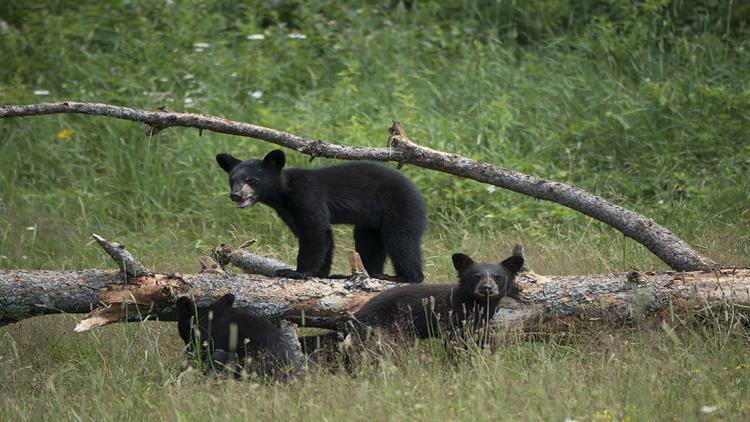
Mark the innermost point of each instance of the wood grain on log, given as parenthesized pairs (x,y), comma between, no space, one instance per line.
(657,239)
(615,297)
(612,297)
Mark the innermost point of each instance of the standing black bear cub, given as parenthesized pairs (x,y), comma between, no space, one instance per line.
(433,309)
(206,332)
(386,209)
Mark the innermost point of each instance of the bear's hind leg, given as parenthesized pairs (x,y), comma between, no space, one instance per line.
(405,250)
(369,245)
(325,269)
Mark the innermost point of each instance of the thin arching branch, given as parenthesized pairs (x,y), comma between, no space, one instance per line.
(661,242)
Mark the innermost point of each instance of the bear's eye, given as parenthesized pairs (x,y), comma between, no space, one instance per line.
(254,182)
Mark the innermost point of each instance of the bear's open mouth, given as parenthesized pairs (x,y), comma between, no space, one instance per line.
(245,202)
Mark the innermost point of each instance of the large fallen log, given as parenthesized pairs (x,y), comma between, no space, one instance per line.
(135,293)
(659,240)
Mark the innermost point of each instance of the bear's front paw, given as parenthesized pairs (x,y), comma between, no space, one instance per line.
(287,273)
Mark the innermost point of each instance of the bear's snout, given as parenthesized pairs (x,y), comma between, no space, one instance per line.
(487,288)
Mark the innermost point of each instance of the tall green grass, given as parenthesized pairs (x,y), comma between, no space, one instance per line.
(639,110)
(642,102)
(134,372)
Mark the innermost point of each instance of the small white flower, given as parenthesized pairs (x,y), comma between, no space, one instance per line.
(488,216)
(41,92)
(491,189)
(709,409)
(661,201)
(233,75)
(256,94)
(297,36)
(188,101)
(164,79)
(202,45)
(256,37)
(169,2)
(24,257)
(31,228)
(3,257)
(188,76)
(3,26)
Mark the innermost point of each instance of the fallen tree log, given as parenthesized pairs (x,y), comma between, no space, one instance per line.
(135,293)
(660,241)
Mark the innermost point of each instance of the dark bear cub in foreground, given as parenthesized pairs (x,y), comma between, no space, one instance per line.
(386,209)
(255,341)
(435,309)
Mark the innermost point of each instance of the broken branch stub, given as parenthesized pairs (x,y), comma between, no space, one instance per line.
(124,259)
(247,261)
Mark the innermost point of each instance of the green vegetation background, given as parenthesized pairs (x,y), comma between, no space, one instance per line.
(646,103)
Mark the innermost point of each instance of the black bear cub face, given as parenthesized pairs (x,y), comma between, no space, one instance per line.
(252,181)
(432,310)
(487,281)
(220,335)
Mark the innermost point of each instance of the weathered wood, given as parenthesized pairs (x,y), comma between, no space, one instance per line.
(660,241)
(355,261)
(611,297)
(618,297)
(248,261)
(25,294)
(124,259)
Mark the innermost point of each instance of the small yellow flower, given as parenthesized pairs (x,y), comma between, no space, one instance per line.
(67,133)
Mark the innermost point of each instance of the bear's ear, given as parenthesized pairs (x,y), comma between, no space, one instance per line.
(184,308)
(275,159)
(222,304)
(513,264)
(461,261)
(227,162)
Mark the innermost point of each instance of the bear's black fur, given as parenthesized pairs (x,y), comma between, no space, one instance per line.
(206,332)
(386,209)
(433,309)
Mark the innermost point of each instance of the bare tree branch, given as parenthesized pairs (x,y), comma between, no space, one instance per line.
(660,241)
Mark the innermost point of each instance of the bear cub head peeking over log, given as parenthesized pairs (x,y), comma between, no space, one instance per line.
(430,310)
(226,338)
(385,208)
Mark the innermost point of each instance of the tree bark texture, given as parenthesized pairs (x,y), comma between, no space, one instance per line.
(111,296)
(660,241)
(614,297)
